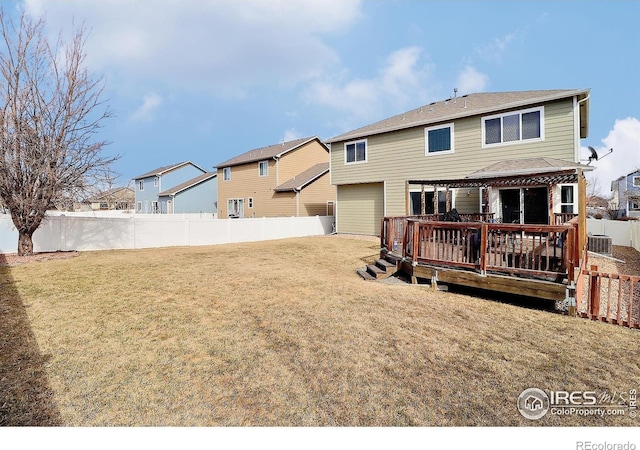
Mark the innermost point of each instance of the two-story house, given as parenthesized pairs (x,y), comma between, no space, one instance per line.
(626,194)
(513,154)
(158,191)
(286,179)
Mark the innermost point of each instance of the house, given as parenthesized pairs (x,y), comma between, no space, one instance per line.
(119,198)
(149,185)
(286,179)
(514,155)
(199,194)
(626,194)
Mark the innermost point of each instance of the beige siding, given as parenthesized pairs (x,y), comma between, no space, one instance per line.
(245,182)
(299,160)
(399,156)
(314,197)
(360,208)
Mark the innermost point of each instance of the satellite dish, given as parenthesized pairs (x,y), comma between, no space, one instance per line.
(594,154)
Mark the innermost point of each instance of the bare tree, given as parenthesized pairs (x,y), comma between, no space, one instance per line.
(50,112)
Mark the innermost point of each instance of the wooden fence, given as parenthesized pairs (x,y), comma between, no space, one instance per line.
(608,297)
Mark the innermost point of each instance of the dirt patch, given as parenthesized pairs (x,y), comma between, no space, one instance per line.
(12,259)
(624,260)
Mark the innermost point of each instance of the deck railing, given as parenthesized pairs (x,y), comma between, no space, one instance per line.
(392,229)
(560,218)
(541,251)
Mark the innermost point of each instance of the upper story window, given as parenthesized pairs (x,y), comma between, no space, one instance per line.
(141,185)
(155,181)
(355,152)
(263,168)
(636,182)
(513,127)
(439,139)
(226,173)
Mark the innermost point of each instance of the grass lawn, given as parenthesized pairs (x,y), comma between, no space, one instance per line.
(281,333)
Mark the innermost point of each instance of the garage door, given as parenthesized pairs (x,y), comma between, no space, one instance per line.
(360,208)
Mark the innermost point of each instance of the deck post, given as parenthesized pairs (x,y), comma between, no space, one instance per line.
(416,236)
(594,293)
(484,237)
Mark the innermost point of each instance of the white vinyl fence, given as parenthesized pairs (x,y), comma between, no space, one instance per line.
(66,232)
(625,233)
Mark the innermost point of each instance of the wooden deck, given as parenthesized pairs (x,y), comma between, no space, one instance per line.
(533,260)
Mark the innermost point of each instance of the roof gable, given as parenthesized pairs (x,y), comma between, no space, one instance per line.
(460,107)
(272,151)
(164,169)
(188,184)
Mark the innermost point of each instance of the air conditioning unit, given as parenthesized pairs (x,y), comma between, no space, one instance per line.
(599,243)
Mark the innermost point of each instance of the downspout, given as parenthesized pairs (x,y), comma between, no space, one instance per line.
(277,160)
(297,191)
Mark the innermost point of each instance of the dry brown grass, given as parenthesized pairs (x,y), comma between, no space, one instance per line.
(285,333)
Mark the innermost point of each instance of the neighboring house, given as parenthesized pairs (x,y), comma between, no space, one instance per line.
(200,194)
(287,179)
(626,194)
(120,198)
(149,185)
(423,161)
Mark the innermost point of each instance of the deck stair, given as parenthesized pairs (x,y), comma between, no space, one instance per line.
(381,269)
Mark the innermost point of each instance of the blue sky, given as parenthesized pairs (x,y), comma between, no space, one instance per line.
(207,80)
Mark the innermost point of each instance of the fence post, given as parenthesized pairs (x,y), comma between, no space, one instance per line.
(594,293)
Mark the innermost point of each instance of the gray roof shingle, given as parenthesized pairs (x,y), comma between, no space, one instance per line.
(165,169)
(189,183)
(301,180)
(513,167)
(455,108)
(271,151)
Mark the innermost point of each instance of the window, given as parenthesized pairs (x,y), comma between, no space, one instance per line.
(439,139)
(235,207)
(139,207)
(226,173)
(155,181)
(526,125)
(154,208)
(250,202)
(330,209)
(636,182)
(634,205)
(141,185)
(566,199)
(355,152)
(263,168)
(416,202)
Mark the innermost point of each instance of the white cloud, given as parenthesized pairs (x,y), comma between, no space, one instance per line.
(471,81)
(225,46)
(494,51)
(624,138)
(150,103)
(290,135)
(403,79)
